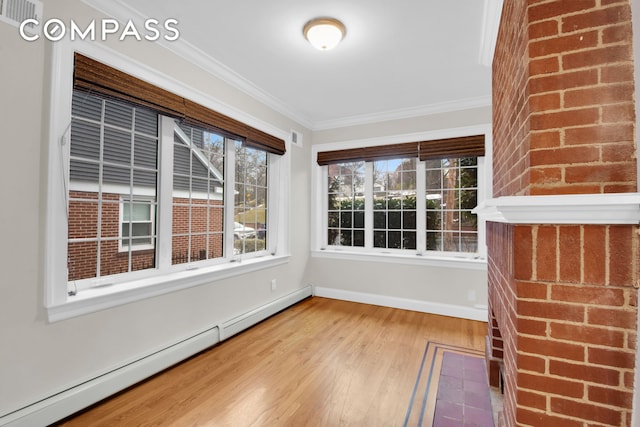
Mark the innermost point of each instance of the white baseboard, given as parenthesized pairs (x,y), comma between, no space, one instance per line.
(463,312)
(65,403)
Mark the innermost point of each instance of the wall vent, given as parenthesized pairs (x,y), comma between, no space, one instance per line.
(15,12)
(296,138)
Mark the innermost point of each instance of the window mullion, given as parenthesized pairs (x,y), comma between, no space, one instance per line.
(368,205)
(229,197)
(421,207)
(322,236)
(273,205)
(165,192)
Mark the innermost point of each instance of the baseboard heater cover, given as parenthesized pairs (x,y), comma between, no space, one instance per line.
(246,320)
(74,399)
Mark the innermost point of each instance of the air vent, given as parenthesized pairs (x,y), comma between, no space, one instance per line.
(296,138)
(15,12)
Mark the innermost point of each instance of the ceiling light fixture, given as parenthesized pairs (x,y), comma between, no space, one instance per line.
(324,33)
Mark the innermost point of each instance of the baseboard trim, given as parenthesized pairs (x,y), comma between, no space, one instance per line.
(470,313)
(76,398)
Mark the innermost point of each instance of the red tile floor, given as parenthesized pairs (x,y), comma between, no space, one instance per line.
(463,398)
(451,389)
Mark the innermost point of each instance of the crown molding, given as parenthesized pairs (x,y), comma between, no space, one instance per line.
(490,26)
(618,208)
(405,113)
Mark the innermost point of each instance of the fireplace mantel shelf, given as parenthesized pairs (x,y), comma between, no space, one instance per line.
(618,208)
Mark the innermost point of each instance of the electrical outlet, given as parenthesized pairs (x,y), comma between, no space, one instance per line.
(274,284)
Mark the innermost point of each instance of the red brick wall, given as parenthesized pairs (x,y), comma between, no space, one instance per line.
(199,219)
(580,92)
(564,296)
(83,223)
(510,107)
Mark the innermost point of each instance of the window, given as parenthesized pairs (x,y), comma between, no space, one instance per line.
(113,192)
(346,204)
(137,219)
(250,202)
(403,198)
(198,195)
(394,204)
(148,188)
(112,165)
(452,192)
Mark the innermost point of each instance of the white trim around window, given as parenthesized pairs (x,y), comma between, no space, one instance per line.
(319,247)
(59,302)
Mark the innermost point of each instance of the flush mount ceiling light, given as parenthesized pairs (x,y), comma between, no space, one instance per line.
(324,33)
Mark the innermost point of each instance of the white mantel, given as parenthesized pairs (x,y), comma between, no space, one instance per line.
(614,208)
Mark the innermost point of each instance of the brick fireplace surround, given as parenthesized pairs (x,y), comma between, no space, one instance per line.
(563,253)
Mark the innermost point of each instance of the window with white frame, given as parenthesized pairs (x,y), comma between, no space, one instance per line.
(403,198)
(345,201)
(149,193)
(452,192)
(137,219)
(394,204)
(250,201)
(112,155)
(198,195)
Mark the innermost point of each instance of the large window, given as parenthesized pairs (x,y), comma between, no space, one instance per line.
(403,198)
(149,192)
(114,197)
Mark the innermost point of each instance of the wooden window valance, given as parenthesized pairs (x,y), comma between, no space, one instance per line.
(467,146)
(94,76)
(368,154)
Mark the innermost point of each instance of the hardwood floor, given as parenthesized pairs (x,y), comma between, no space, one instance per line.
(321,362)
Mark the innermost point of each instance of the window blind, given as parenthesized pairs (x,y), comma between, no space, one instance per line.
(392,151)
(467,146)
(424,150)
(94,76)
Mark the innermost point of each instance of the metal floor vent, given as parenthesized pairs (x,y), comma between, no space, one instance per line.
(15,12)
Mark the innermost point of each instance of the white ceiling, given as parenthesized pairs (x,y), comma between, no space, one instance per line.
(398,59)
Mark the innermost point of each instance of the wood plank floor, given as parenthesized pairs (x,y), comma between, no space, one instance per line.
(321,362)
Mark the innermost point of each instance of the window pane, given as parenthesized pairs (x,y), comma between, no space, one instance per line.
(136,211)
(379,239)
(409,240)
(346,204)
(198,201)
(250,206)
(394,203)
(452,194)
(102,177)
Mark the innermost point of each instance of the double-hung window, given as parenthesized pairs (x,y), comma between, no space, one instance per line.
(410,198)
(155,185)
(137,224)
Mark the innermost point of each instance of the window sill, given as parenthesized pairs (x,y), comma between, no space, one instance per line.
(408,259)
(100,298)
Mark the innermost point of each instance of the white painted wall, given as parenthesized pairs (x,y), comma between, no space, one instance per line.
(39,359)
(448,289)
